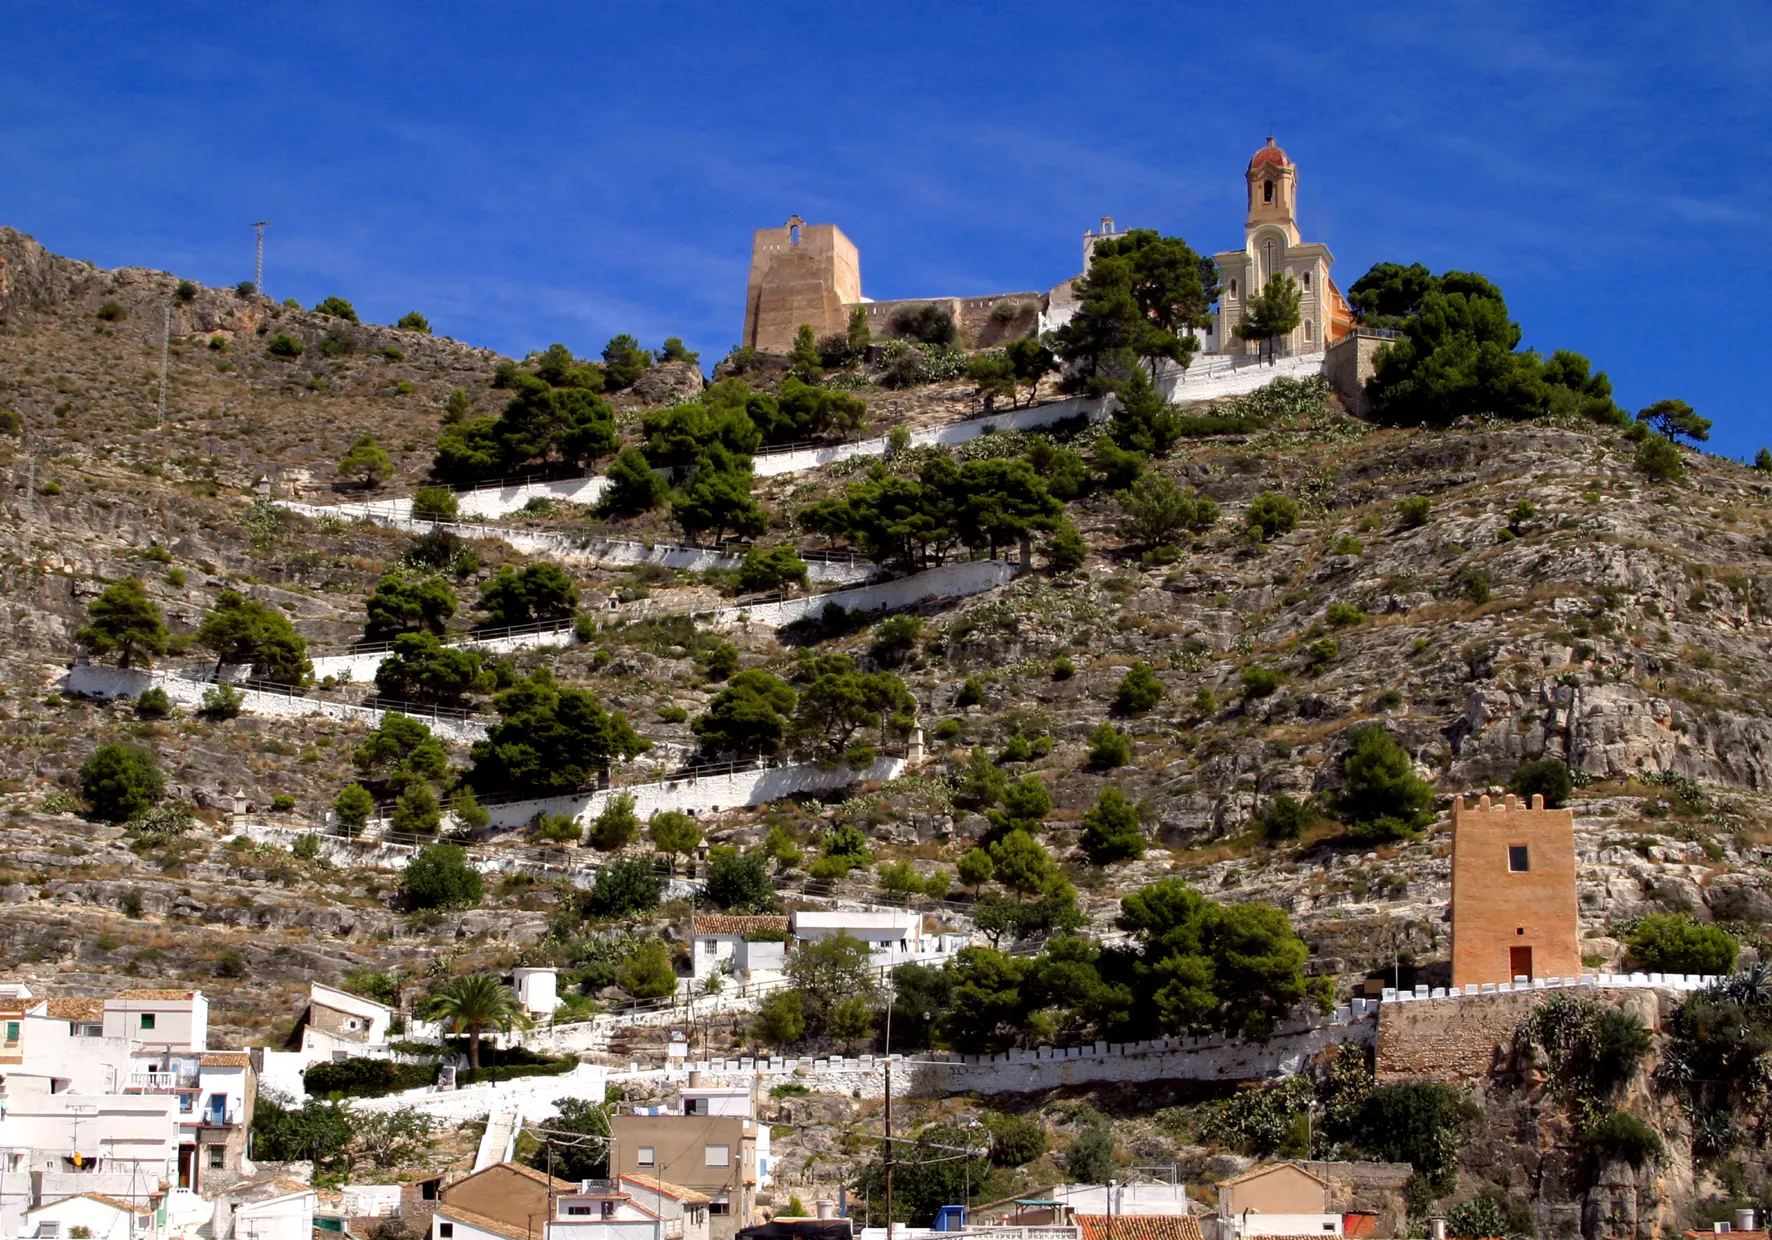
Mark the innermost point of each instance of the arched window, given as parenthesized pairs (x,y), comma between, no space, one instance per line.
(1307,281)
(1233,288)
(1307,329)
(794,235)
(1267,191)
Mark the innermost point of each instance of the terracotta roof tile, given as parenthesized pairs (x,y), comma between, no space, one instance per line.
(1358,1226)
(553,1182)
(1139,1226)
(76,1009)
(1269,154)
(155,994)
(688,1196)
(726,923)
(226,1059)
(116,1203)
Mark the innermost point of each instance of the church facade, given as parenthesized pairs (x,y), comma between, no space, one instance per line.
(1273,246)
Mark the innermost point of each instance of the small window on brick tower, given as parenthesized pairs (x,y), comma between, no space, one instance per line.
(1267,191)
(1307,280)
(1518,859)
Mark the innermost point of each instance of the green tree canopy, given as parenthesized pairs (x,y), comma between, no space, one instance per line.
(241,630)
(739,882)
(549,740)
(554,417)
(1273,312)
(441,876)
(633,486)
(366,464)
(119,781)
(624,361)
(400,752)
(413,321)
(124,619)
(1111,831)
(752,715)
(1675,420)
(539,591)
(837,699)
(1675,943)
(420,668)
(475,1003)
(1384,799)
(674,834)
(402,603)
(828,973)
(338,308)
(1142,297)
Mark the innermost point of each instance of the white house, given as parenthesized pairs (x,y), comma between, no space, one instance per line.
(537,989)
(277,1208)
(100,1217)
(889,933)
(634,1207)
(750,948)
(55,1145)
(171,1020)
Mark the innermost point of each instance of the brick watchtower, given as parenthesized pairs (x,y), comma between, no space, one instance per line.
(1513,892)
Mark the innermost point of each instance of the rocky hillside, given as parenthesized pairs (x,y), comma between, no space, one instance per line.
(1487,593)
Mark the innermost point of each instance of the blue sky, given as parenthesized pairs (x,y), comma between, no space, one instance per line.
(525,173)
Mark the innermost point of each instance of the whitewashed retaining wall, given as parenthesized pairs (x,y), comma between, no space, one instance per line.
(768,464)
(538,1096)
(95,680)
(360,666)
(949,581)
(1216,375)
(600,552)
(705,794)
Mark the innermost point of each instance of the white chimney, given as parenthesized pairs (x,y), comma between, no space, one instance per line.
(824,1207)
(1744,1220)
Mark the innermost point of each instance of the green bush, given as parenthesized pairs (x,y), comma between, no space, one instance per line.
(1111,831)
(435,504)
(1415,511)
(112,312)
(221,702)
(153,704)
(555,828)
(1272,514)
(1016,1140)
(338,308)
(1343,615)
(366,1078)
(285,346)
(1063,668)
(441,877)
(1384,798)
(1323,650)
(1619,1134)
(1675,943)
(1475,584)
(1545,776)
(624,889)
(616,825)
(413,321)
(1259,682)
(282,803)
(1139,691)
(1661,460)
(353,805)
(1109,747)
(1285,818)
(120,781)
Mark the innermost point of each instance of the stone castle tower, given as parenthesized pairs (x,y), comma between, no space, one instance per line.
(1272,246)
(1513,892)
(800,273)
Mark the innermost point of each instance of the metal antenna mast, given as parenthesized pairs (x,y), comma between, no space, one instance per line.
(165,349)
(258,267)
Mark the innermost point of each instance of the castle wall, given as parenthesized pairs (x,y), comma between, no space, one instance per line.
(982,324)
(1500,909)
(810,280)
(1349,362)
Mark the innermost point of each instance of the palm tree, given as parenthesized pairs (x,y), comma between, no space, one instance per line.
(475,1003)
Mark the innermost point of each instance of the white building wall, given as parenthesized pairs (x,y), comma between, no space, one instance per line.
(289,1217)
(135,1139)
(958,580)
(93,1065)
(178,1024)
(104,1222)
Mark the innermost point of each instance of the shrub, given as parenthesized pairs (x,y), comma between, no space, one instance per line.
(1015,1140)
(1285,818)
(1109,748)
(1414,511)
(284,346)
(413,321)
(282,803)
(1259,682)
(617,825)
(781,1019)
(624,889)
(1660,459)
(1476,1218)
(353,805)
(441,877)
(1675,943)
(555,828)
(1545,776)
(1063,668)
(112,312)
(366,1078)
(161,822)
(153,704)
(894,639)
(1475,583)
(1111,831)
(1346,544)
(1272,514)
(185,293)
(1385,799)
(120,781)
(971,693)
(1343,615)
(1139,690)
(435,504)
(417,811)
(221,702)
(1323,650)
(647,972)
(11,423)
(1619,1134)
(338,308)
(771,568)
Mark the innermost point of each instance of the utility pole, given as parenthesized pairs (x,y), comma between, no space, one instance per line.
(890,998)
(165,349)
(258,267)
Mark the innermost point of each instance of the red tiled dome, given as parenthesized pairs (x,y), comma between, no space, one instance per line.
(1269,154)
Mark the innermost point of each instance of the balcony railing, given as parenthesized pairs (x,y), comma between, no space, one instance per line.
(162,1082)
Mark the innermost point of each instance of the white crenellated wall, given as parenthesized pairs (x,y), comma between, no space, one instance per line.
(359,666)
(537,1095)
(94,680)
